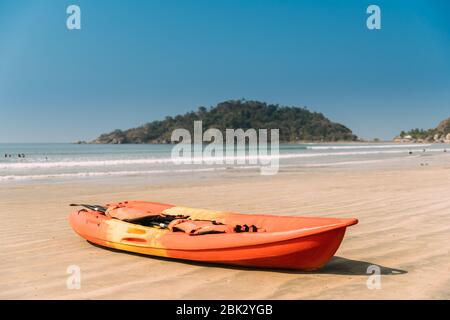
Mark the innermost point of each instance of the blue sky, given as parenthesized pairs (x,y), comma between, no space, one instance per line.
(135,61)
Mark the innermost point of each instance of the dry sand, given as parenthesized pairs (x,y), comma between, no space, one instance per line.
(404,228)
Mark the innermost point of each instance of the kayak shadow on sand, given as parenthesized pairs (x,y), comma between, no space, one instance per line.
(337,265)
(344,266)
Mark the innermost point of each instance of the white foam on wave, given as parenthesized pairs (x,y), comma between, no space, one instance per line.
(382,146)
(354,153)
(144,161)
(342,163)
(100,174)
(86,163)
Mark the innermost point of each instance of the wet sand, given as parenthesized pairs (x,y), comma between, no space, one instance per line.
(404,228)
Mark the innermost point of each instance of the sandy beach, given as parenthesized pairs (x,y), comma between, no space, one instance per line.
(404,227)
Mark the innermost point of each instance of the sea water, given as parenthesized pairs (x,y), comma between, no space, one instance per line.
(77,161)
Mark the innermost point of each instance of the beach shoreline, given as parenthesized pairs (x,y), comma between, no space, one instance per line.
(64,163)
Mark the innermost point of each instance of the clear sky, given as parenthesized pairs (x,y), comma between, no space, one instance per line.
(137,61)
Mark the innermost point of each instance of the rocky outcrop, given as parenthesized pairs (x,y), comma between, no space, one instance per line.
(440,134)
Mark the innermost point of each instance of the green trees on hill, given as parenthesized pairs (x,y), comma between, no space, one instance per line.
(417,133)
(295,124)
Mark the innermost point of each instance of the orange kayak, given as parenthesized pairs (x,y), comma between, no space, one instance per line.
(302,243)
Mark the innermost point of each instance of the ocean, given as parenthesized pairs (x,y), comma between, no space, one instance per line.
(51,162)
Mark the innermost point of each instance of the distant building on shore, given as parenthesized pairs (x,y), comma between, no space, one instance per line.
(406,138)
